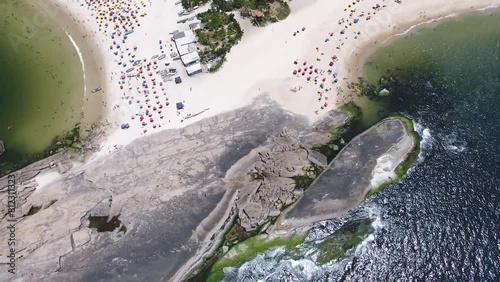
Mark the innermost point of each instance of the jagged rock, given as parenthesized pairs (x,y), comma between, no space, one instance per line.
(2,147)
(274,213)
(81,237)
(64,166)
(317,158)
(164,186)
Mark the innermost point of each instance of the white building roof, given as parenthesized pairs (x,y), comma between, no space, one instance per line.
(194,68)
(190,58)
(188,37)
(186,49)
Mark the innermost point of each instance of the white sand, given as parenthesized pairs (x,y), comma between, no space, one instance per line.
(261,62)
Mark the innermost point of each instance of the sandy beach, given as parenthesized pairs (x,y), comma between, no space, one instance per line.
(313,35)
(153,183)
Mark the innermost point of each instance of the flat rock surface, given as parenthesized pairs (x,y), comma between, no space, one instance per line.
(166,189)
(347,179)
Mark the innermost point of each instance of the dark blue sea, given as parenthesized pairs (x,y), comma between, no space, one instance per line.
(441,221)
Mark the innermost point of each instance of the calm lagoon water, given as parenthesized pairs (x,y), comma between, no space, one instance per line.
(41,81)
(440,222)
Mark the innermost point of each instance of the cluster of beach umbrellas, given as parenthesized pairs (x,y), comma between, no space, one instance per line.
(325,76)
(142,87)
(117,16)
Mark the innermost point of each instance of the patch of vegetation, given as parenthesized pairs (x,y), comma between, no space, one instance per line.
(189,4)
(202,271)
(412,156)
(352,110)
(364,88)
(340,136)
(345,238)
(221,31)
(68,140)
(255,176)
(335,133)
(248,248)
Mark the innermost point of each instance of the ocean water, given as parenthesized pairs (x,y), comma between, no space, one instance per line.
(441,221)
(41,81)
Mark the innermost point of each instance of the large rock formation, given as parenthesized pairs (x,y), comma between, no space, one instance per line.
(169,194)
(367,161)
(2,147)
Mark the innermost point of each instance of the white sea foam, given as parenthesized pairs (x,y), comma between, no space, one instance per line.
(426,142)
(453,144)
(492,6)
(80,56)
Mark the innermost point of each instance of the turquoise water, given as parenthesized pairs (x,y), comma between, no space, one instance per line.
(439,222)
(41,81)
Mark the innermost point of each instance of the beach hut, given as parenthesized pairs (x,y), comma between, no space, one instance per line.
(179,106)
(190,58)
(193,69)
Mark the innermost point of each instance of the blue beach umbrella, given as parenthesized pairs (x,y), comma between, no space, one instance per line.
(356,20)
(342,31)
(335,74)
(336,80)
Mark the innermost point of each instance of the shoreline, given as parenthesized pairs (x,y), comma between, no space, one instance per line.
(90,57)
(226,90)
(130,167)
(370,47)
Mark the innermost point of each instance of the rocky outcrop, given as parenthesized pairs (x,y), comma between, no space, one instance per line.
(317,158)
(2,147)
(367,161)
(163,187)
(271,186)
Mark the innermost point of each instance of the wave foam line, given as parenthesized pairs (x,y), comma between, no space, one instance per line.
(80,56)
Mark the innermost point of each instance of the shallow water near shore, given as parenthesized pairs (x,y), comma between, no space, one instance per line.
(440,221)
(41,93)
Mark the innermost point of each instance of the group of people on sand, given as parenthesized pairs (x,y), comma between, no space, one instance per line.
(140,80)
(322,72)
